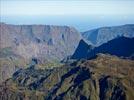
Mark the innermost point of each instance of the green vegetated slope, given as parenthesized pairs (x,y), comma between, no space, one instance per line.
(10,62)
(103,78)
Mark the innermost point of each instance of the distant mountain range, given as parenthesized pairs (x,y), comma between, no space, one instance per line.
(19,44)
(32,63)
(48,42)
(102,35)
(121,47)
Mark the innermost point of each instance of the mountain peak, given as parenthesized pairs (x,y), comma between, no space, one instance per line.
(82,49)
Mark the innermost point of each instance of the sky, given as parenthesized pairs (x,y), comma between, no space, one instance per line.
(82,14)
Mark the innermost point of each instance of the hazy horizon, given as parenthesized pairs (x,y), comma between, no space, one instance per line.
(81,14)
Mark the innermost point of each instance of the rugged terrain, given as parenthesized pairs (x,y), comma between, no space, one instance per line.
(104,34)
(47,43)
(40,41)
(120,46)
(105,77)
(46,62)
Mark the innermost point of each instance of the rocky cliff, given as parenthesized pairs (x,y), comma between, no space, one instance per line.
(39,41)
(102,35)
(26,52)
(46,43)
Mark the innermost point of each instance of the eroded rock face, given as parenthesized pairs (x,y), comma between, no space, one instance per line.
(20,43)
(41,41)
(105,78)
(102,35)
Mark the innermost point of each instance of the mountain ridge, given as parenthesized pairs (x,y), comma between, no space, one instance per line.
(47,36)
(105,77)
(104,34)
(87,71)
(121,47)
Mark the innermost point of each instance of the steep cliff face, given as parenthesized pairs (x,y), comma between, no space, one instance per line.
(104,78)
(20,43)
(102,35)
(40,41)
